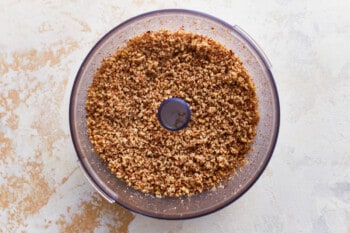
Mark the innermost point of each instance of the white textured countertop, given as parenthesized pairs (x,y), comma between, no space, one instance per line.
(306,186)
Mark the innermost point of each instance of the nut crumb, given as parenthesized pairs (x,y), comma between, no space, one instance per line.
(122,104)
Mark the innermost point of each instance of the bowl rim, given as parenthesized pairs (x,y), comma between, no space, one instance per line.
(275,130)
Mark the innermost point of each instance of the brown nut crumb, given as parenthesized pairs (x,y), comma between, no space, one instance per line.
(122,104)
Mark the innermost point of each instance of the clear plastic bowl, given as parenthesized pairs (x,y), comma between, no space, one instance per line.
(207,202)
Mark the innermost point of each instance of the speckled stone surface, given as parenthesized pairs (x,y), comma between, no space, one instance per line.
(306,186)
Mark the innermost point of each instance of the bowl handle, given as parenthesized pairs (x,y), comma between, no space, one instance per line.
(255,45)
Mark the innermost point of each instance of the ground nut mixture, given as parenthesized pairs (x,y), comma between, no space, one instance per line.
(122,106)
